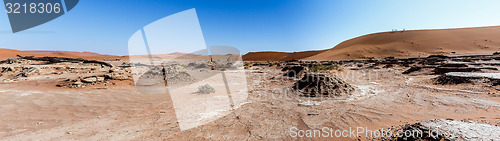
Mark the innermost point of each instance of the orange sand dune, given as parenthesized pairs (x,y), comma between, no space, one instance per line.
(278,56)
(11,53)
(480,40)
(64,52)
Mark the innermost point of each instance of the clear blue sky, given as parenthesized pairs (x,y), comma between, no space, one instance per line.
(104,26)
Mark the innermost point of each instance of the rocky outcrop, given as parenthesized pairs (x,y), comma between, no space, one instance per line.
(322,84)
(166,75)
(118,74)
(448,129)
(467,77)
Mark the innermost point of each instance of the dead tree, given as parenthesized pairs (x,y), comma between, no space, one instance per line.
(9,61)
(23,74)
(62,59)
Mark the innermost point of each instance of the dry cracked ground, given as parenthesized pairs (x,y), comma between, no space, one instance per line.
(86,101)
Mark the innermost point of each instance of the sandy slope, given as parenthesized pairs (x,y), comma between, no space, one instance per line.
(479,40)
(11,53)
(417,43)
(278,56)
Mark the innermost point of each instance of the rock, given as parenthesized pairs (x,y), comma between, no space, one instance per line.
(466,77)
(316,84)
(175,75)
(117,76)
(7,69)
(202,65)
(412,69)
(389,66)
(93,79)
(454,65)
(438,56)
(431,60)
(448,129)
(309,103)
(442,70)
(78,83)
(114,69)
(191,65)
(286,68)
(206,89)
(294,71)
(100,79)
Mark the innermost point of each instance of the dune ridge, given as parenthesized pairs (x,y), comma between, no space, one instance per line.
(410,43)
(12,53)
(414,43)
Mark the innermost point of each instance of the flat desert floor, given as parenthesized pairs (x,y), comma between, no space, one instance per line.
(34,108)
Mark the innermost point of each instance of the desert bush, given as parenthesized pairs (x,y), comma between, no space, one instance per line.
(324,68)
(206,89)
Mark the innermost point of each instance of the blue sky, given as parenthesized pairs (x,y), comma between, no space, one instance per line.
(105,26)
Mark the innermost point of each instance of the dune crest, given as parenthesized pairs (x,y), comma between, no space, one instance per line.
(479,40)
(11,53)
(412,43)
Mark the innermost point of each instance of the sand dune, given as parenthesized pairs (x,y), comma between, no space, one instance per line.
(11,53)
(278,56)
(479,40)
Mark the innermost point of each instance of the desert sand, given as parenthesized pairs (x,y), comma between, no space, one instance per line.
(124,98)
(409,43)
(35,108)
(11,53)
